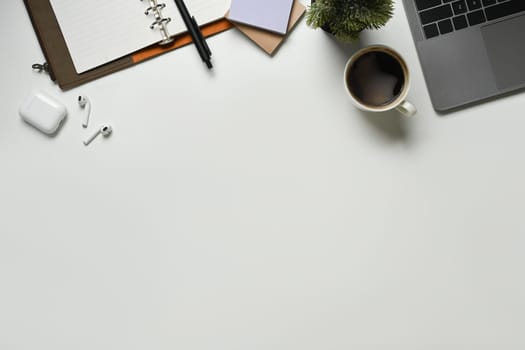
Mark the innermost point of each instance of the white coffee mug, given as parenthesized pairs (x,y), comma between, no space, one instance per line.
(377,80)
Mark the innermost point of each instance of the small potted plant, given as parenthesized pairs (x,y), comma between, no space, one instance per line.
(345,19)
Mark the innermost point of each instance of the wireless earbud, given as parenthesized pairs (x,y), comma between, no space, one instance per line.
(84,103)
(105,130)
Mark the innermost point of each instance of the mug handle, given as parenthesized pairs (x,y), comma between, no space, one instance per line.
(407,109)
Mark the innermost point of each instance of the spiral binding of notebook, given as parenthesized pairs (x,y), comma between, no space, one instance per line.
(160,22)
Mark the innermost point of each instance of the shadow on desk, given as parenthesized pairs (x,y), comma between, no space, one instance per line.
(480,103)
(391,125)
(343,50)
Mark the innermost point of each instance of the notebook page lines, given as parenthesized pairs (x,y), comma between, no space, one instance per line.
(100,31)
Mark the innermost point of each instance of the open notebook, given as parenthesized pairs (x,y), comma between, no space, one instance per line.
(99,31)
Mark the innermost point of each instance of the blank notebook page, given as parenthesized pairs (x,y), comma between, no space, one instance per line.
(99,31)
(271,15)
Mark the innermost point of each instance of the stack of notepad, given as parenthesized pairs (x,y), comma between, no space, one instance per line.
(266,22)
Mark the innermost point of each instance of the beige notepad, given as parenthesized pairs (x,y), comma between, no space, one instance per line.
(270,41)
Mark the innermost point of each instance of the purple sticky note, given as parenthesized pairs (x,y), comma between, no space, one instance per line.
(271,15)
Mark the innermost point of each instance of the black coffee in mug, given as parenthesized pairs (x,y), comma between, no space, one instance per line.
(376,78)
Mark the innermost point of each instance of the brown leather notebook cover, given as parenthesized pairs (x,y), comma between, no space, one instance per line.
(60,63)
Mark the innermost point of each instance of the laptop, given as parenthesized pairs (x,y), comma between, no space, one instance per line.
(470,50)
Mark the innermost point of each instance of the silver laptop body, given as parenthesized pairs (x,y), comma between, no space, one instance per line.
(470,50)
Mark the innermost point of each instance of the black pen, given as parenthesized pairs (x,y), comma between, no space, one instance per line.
(195,32)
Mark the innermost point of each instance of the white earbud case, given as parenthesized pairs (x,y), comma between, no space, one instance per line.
(43,111)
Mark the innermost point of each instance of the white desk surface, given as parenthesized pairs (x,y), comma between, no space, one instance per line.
(252,207)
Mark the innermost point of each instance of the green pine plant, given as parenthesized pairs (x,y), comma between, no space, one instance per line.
(345,19)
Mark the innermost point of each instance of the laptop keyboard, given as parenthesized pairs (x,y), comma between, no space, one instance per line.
(440,17)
